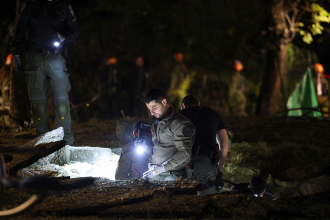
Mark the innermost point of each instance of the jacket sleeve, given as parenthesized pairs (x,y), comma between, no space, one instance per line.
(70,31)
(21,28)
(184,135)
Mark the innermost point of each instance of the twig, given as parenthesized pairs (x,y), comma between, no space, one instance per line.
(85,103)
(122,113)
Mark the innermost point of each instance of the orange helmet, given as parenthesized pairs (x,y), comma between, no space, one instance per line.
(8,59)
(112,61)
(238,66)
(139,61)
(318,68)
(178,57)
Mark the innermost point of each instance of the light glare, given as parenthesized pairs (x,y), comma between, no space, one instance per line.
(140,150)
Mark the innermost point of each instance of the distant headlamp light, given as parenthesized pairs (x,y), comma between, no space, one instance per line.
(258,194)
(56,43)
(140,149)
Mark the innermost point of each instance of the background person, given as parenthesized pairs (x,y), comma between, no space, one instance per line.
(110,81)
(210,130)
(178,74)
(138,81)
(322,90)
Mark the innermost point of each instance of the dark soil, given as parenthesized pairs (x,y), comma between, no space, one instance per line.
(297,149)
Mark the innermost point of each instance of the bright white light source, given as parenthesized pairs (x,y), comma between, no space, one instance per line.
(140,149)
(56,44)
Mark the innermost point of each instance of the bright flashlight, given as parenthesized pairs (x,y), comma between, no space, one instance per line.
(56,44)
(140,149)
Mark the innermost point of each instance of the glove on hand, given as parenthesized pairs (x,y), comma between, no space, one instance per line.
(153,171)
(16,62)
(57,36)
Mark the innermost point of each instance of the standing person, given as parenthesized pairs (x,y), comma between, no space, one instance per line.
(238,90)
(108,88)
(210,129)
(178,74)
(50,24)
(322,90)
(173,137)
(138,78)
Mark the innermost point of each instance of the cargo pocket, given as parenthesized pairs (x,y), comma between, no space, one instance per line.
(67,79)
(35,83)
(32,60)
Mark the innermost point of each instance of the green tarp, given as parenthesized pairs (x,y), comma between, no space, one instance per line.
(304,96)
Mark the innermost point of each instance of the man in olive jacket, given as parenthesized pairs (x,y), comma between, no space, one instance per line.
(173,137)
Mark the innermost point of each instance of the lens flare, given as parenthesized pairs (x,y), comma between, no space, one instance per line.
(140,149)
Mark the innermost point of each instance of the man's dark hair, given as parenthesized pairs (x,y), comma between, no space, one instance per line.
(190,100)
(154,94)
(258,185)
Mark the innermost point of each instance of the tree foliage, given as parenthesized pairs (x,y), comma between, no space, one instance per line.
(319,15)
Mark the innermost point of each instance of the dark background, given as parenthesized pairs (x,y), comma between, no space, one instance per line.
(211,35)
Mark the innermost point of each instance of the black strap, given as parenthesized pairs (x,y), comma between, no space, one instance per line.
(199,110)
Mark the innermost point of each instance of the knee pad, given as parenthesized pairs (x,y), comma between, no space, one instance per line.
(62,113)
(40,115)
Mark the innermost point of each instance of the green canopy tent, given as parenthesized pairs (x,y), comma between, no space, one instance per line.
(303,98)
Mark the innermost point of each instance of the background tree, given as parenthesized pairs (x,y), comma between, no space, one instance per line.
(286,19)
(210,34)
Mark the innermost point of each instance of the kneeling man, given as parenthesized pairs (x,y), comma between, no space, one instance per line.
(173,137)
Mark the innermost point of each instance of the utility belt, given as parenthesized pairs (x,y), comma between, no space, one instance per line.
(200,150)
(57,51)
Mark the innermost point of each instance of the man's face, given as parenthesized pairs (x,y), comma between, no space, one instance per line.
(157,109)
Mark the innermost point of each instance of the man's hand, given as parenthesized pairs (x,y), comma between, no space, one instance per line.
(17,63)
(61,37)
(153,171)
(57,36)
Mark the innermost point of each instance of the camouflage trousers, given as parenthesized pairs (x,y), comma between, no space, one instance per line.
(42,70)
